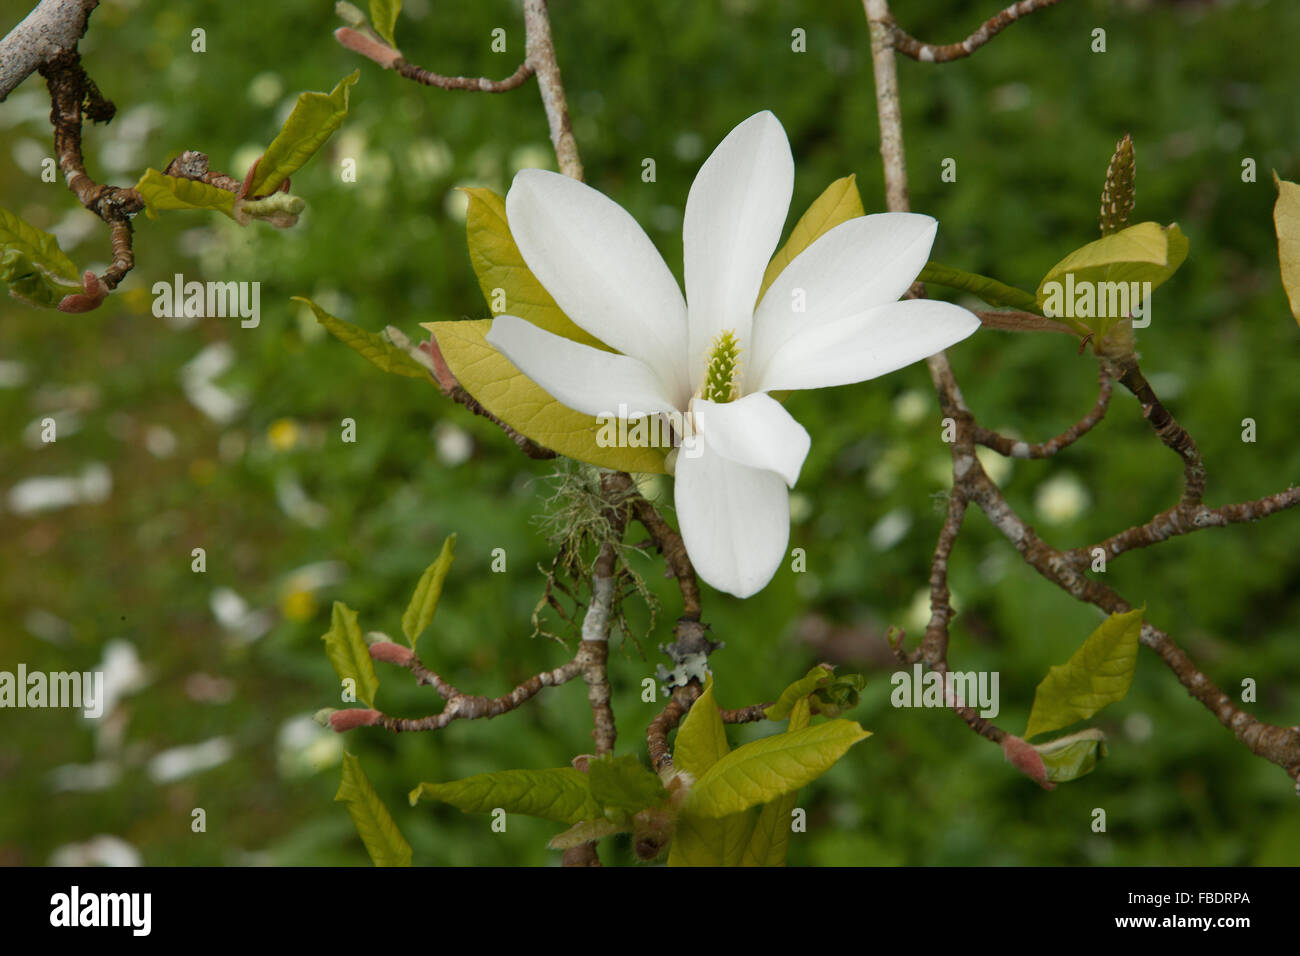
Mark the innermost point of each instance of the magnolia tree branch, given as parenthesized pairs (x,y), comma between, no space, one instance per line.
(929,53)
(52,29)
(656,735)
(390,59)
(1014,320)
(71,90)
(1127,373)
(459,706)
(1179,521)
(1019,449)
(541,57)
(971,484)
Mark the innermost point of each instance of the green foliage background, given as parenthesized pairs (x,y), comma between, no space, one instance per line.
(1031,121)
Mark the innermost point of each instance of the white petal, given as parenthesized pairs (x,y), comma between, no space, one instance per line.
(734,214)
(756,431)
(735,520)
(587,380)
(602,270)
(861,263)
(867,344)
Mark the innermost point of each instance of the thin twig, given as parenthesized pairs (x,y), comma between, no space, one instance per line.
(929,53)
(459,706)
(1177,521)
(1019,449)
(1127,373)
(477,84)
(70,88)
(1014,320)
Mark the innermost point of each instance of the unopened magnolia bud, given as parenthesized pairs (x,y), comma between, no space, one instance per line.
(392,653)
(1027,760)
(381,53)
(342,720)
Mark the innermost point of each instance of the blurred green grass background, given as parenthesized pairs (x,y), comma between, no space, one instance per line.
(230,661)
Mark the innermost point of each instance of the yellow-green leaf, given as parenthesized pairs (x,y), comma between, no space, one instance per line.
(508,285)
(384,842)
(1099,673)
(702,841)
(1146,252)
(347,651)
(314,119)
(1069,758)
(1286,220)
(701,739)
(623,784)
(770,840)
(586,831)
(424,602)
(522,404)
(797,691)
(766,769)
(31,283)
(38,246)
(561,794)
(374,348)
(383,14)
(838,203)
(161,191)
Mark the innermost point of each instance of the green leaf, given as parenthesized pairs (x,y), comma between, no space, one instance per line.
(838,203)
(1099,673)
(562,794)
(1147,252)
(622,783)
(701,739)
(521,403)
(314,119)
(766,769)
(383,14)
(1068,758)
(374,348)
(842,692)
(796,692)
(347,651)
(586,831)
(1286,220)
(30,283)
(281,210)
(32,264)
(700,841)
(163,192)
(38,246)
(499,264)
(384,842)
(989,290)
(770,839)
(424,602)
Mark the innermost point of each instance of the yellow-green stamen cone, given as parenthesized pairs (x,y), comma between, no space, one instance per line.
(720,378)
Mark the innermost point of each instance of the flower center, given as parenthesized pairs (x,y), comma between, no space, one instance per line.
(721,376)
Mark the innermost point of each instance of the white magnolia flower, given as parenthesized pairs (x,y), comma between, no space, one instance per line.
(707,361)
